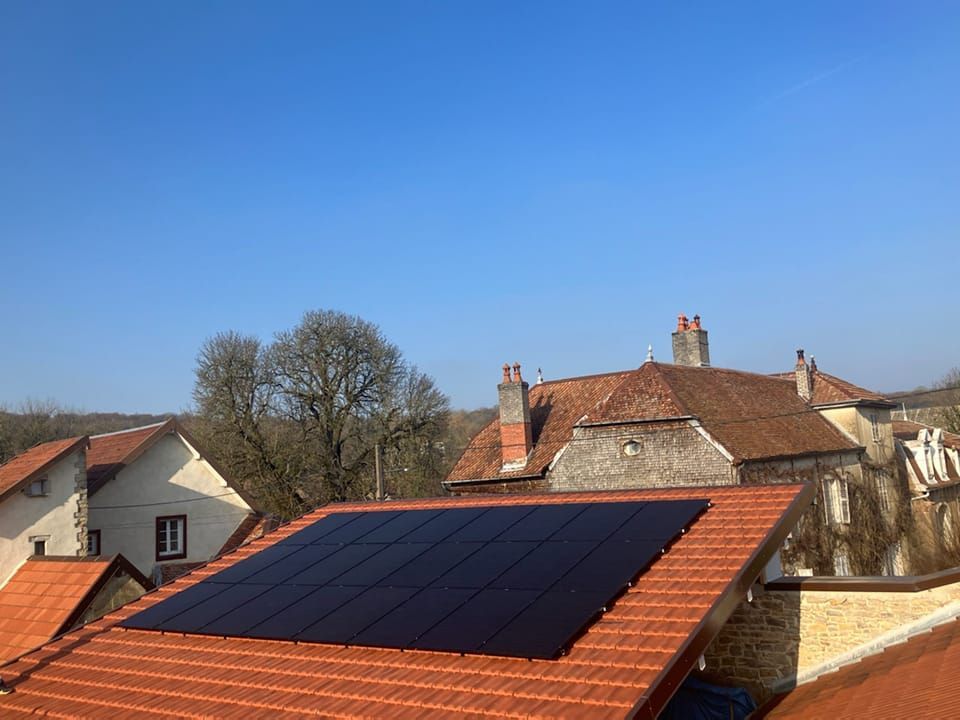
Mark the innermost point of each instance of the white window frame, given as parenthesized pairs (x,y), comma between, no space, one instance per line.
(93,549)
(42,540)
(171,537)
(841,564)
(883,492)
(875,427)
(836,501)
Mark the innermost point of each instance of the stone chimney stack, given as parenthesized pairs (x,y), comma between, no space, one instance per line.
(804,377)
(516,435)
(690,344)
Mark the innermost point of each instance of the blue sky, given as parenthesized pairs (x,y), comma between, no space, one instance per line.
(543,182)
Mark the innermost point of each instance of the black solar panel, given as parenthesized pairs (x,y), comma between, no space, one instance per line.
(520,580)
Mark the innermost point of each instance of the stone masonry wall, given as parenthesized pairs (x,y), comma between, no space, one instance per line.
(667,455)
(785,632)
(81,516)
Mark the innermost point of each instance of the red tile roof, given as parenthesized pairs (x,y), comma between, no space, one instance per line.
(555,407)
(753,416)
(627,663)
(915,679)
(110,453)
(829,389)
(46,596)
(33,463)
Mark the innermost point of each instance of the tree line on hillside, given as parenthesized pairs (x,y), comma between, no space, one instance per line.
(296,421)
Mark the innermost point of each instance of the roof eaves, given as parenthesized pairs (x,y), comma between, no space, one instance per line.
(810,453)
(491,481)
(189,439)
(82,441)
(670,678)
(117,562)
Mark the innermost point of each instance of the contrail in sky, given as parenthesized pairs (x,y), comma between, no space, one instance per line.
(813,80)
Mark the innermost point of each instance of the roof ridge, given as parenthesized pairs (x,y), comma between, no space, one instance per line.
(670,391)
(135,429)
(587,377)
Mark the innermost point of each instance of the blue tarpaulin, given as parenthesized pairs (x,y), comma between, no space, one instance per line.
(699,700)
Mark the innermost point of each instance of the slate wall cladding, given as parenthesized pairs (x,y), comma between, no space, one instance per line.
(670,455)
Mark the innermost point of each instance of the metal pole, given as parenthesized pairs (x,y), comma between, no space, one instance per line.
(378,471)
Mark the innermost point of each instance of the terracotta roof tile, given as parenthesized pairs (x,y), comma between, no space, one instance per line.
(109,453)
(915,679)
(555,407)
(41,597)
(829,389)
(753,416)
(27,466)
(103,669)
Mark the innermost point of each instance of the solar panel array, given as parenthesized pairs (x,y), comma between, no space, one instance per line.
(506,580)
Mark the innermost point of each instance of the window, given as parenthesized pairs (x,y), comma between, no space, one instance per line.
(841,564)
(93,542)
(875,427)
(39,543)
(171,537)
(837,501)
(38,488)
(883,493)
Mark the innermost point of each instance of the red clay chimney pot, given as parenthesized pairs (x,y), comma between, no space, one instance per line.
(516,373)
(506,373)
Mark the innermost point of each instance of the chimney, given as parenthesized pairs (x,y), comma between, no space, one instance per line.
(804,377)
(516,437)
(690,344)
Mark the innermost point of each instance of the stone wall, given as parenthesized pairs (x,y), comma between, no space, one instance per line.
(783,633)
(670,454)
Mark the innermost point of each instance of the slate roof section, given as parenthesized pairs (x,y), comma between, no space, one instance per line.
(915,679)
(627,664)
(831,390)
(752,416)
(47,596)
(32,464)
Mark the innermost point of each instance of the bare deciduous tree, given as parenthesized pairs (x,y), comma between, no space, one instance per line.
(299,418)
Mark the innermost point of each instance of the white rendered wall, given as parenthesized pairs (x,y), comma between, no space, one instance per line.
(53,514)
(169,479)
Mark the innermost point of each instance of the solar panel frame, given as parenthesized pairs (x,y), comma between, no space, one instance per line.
(506,580)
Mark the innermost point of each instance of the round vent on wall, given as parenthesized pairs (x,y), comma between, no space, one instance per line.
(632,447)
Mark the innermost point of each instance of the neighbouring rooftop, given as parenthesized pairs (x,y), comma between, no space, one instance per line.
(627,663)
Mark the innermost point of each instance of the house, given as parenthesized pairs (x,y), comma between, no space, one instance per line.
(158,499)
(688,423)
(43,503)
(930,460)
(49,595)
(915,679)
(627,660)
(834,648)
